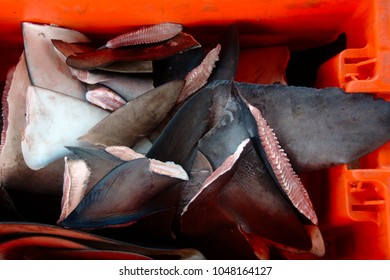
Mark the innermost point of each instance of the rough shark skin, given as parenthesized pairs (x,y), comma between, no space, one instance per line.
(130,123)
(319,128)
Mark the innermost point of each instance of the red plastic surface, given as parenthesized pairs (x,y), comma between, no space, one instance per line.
(298,23)
(363,66)
(357,212)
(352,204)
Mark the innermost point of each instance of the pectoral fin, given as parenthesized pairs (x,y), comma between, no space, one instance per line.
(123,195)
(242,192)
(321,128)
(135,120)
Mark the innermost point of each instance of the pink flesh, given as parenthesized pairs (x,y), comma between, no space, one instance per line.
(168,169)
(164,168)
(76,177)
(123,153)
(287,178)
(13,102)
(105,98)
(7,87)
(225,167)
(198,76)
(127,86)
(145,35)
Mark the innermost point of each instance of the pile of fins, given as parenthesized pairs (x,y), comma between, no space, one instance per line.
(150,132)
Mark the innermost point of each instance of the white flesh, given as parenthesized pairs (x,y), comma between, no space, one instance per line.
(55,120)
(46,68)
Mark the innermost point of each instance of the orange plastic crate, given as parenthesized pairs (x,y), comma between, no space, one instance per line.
(352,204)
